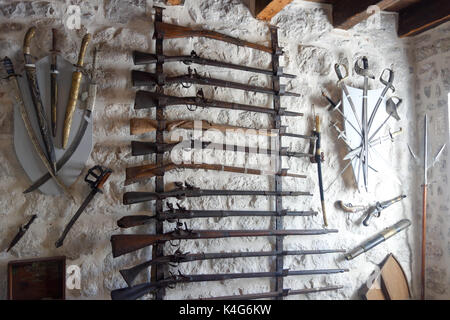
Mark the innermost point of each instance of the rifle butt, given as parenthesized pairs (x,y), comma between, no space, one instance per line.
(141,173)
(138,197)
(139,148)
(140,58)
(132,293)
(141,125)
(141,78)
(134,221)
(145,100)
(126,243)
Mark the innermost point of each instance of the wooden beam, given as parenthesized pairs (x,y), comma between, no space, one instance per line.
(266,9)
(422,16)
(348,13)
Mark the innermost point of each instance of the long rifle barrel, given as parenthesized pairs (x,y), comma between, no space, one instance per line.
(147,99)
(130,274)
(132,293)
(125,243)
(141,78)
(137,197)
(142,58)
(275,294)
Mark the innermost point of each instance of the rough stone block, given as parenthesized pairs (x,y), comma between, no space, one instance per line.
(123,11)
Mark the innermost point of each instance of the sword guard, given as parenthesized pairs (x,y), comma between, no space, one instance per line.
(390,80)
(99,174)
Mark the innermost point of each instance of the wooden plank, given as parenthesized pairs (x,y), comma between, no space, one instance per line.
(394,281)
(175,2)
(348,13)
(422,16)
(266,9)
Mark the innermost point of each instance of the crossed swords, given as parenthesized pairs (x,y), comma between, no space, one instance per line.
(368,141)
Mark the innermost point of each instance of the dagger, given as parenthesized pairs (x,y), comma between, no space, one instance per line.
(22,230)
(100,175)
(74,90)
(7,63)
(30,70)
(54,83)
(86,119)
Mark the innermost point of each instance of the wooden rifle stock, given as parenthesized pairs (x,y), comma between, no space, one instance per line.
(171,31)
(126,243)
(142,173)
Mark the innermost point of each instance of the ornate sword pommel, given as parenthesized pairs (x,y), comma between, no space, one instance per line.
(390,81)
(83,49)
(99,174)
(26,41)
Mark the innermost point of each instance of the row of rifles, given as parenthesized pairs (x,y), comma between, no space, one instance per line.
(127,243)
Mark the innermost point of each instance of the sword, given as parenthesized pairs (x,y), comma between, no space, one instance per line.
(101,175)
(30,70)
(347,94)
(54,83)
(74,90)
(7,63)
(90,104)
(318,159)
(22,230)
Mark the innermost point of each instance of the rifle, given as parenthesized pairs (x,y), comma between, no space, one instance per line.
(144,125)
(188,191)
(274,294)
(135,292)
(182,213)
(147,99)
(141,78)
(125,243)
(139,148)
(129,275)
(142,173)
(171,31)
(140,58)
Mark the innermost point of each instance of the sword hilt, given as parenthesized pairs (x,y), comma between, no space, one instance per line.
(100,175)
(9,67)
(390,81)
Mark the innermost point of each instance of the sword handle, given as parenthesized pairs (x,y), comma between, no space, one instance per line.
(9,67)
(84,45)
(26,41)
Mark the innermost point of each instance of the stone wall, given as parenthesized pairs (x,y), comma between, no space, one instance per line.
(311,48)
(432,60)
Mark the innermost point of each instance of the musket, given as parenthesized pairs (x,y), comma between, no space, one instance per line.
(99,175)
(145,172)
(85,120)
(54,83)
(378,238)
(274,294)
(318,159)
(182,213)
(139,148)
(141,58)
(141,78)
(135,292)
(74,90)
(22,230)
(147,99)
(380,206)
(30,70)
(126,243)
(129,275)
(144,125)
(171,31)
(188,191)
(12,76)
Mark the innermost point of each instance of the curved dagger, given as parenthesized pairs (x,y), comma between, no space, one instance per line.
(74,90)
(30,70)
(26,120)
(90,104)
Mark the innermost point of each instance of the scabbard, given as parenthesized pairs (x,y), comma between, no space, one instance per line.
(40,114)
(70,109)
(53,93)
